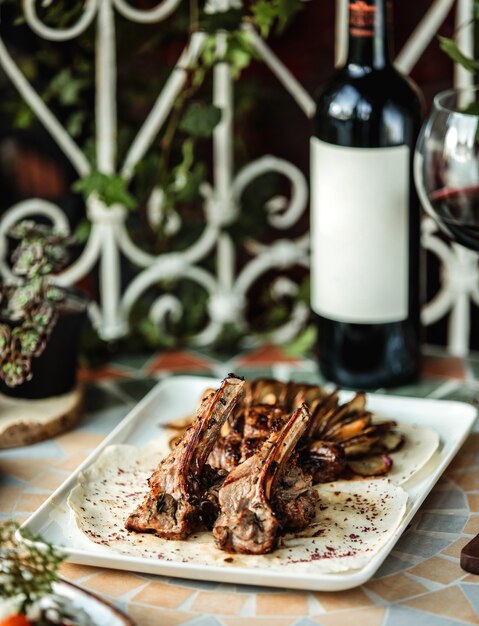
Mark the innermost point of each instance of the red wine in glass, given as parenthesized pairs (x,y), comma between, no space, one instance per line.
(458,211)
(446,165)
(446,172)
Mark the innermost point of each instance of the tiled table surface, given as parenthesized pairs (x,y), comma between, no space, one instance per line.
(420,583)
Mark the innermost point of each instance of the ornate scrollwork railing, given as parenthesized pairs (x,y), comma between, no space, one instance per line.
(226,287)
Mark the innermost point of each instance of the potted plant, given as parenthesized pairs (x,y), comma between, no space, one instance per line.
(40,322)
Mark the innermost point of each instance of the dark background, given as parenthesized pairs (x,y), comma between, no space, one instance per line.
(269,120)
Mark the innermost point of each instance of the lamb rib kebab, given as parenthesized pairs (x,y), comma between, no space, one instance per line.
(249,522)
(179,498)
(340,438)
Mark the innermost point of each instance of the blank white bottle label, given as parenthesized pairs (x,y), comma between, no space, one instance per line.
(359,233)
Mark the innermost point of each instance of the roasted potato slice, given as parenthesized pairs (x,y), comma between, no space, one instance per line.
(376,465)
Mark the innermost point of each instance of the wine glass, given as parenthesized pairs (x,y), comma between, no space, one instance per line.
(446,173)
(446,165)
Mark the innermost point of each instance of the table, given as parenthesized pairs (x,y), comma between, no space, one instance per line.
(420,583)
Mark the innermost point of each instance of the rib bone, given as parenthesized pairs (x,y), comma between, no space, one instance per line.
(247,522)
(172,508)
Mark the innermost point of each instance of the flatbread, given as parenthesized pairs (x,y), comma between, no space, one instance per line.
(354,519)
(420,444)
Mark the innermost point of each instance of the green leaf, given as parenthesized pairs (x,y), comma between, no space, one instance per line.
(264,14)
(82,231)
(200,119)
(24,117)
(286,10)
(449,46)
(65,87)
(110,188)
(191,187)
(267,13)
(75,123)
(239,52)
(223,20)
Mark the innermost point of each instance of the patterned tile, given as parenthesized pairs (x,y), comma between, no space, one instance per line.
(202,585)
(395,587)
(160,594)
(98,398)
(392,565)
(420,390)
(251,373)
(352,598)
(472,443)
(467,480)
(284,604)
(463,461)
(450,602)
(137,389)
(417,544)
(472,526)
(442,523)
(73,571)
(444,368)
(473,501)
(7,480)
(178,361)
(149,616)
(47,480)
(472,594)
(221,603)
(259,621)
(113,583)
(71,462)
(439,570)
(106,372)
(76,441)
(445,500)
(132,361)
(8,498)
(402,616)
(30,502)
(265,355)
(463,393)
(24,469)
(454,549)
(371,616)
(473,366)
(104,421)
(205,620)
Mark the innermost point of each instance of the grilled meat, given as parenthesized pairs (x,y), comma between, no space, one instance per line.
(294,499)
(173,506)
(335,434)
(324,460)
(248,522)
(291,395)
(260,420)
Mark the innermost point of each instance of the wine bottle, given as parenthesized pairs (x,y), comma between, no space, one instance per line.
(365,212)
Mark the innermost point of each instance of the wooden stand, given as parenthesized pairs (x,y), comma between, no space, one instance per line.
(23,422)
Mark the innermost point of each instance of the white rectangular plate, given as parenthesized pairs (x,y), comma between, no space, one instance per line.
(177,397)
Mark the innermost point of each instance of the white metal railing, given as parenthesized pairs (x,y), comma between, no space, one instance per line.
(227,288)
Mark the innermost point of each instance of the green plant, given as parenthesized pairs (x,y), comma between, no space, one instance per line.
(450,47)
(178,162)
(27,570)
(29,302)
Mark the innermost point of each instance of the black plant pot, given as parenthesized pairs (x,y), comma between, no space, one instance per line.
(54,372)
